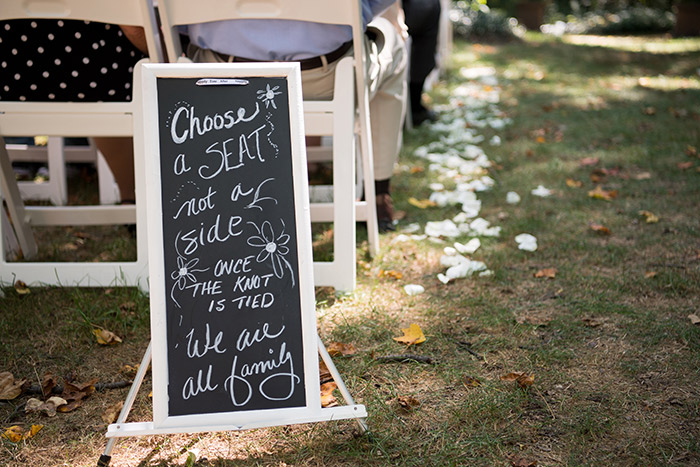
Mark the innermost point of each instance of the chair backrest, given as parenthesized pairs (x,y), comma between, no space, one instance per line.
(174,13)
(19,118)
(126,12)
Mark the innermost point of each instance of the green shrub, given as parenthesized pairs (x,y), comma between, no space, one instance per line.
(483,24)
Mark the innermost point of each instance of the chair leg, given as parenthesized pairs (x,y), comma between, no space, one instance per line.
(15,206)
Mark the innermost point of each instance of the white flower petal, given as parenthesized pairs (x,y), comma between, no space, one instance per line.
(512,197)
(443,278)
(413,289)
(471,246)
(541,191)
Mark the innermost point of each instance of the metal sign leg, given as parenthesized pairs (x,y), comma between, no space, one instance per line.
(106,457)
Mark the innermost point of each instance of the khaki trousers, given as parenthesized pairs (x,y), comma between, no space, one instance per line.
(386,77)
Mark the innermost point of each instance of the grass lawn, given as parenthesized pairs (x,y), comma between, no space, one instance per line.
(582,352)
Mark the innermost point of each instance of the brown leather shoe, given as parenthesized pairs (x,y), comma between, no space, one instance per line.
(385,213)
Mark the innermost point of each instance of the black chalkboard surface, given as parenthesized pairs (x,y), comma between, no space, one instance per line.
(232,304)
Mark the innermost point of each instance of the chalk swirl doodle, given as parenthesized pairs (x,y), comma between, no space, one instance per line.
(268,119)
(273,248)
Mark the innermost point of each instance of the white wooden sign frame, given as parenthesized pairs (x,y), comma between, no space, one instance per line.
(163,422)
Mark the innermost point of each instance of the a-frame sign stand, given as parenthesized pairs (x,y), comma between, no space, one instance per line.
(234,344)
(121,429)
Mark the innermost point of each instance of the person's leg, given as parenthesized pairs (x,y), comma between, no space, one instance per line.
(388,93)
(423,21)
(119,154)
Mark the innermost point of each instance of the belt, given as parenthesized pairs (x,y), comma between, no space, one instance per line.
(306,64)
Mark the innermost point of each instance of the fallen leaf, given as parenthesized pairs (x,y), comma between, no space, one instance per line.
(416,169)
(599,228)
(471,383)
(548,273)
(49,407)
(571,183)
(323,371)
(413,289)
(522,462)
(589,161)
(21,288)
(75,393)
(130,370)
(540,139)
(413,335)
(421,203)
(33,431)
(651,218)
(650,274)
(649,110)
(327,397)
(112,412)
(694,319)
(643,176)
(599,193)
(685,165)
(336,349)
(390,273)
(407,402)
(9,386)
(523,379)
(105,337)
(47,384)
(13,434)
(691,151)
(592,322)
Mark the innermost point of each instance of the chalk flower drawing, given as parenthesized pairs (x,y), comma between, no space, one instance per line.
(183,274)
(273,248)
(268,96)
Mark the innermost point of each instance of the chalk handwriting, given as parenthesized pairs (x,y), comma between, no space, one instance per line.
(194,125)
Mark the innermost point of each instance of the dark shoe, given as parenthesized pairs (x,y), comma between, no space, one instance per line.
(385,213)
(423,115)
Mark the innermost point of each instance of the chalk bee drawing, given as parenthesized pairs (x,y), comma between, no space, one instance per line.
(273,248)
(268,96)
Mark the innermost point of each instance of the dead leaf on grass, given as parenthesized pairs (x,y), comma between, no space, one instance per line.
(21,288)
(694,319)
(47,384)
(522,462)
(600,193)
(649,111)
(691,151)
(421,203)
(650,274)
(650,217)
(336,349)
(643,176)
(523,379)
(413,335)
(110,415)
(471,383)
(407,402)
(75,393)
(571,183)
(49,407)
(9,386)
(599,228)
(685,165)
(323,371)
(548,273)
(589,161)
(327,397)
(16,433)
(130,370)
(105,337)
(416,169)
(390,273)
(592,322)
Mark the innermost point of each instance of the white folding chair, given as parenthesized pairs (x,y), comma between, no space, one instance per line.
(345,118)
(76,119)
(56,154)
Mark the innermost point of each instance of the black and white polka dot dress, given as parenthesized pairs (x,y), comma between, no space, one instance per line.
(66,61)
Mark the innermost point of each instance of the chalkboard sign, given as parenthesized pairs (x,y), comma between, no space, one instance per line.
(232,300)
